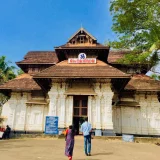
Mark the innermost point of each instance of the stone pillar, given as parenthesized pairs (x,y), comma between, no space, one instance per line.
(62,106)
(9,110)
(90,109)
(53,95)
(142,99)
(107,108)
(22,120)
(98,131)
(70,119)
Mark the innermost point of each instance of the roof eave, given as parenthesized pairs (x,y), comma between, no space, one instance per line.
(36,77)
(83,47)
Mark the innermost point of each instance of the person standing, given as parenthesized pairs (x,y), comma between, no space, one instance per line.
(7,132)
(86,129)
(70,133)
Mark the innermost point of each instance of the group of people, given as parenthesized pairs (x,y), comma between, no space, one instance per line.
(6,132)
(86,129)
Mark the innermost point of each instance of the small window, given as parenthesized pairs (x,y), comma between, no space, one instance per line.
(81,39)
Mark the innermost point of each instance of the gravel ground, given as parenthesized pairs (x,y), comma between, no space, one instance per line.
(53,149)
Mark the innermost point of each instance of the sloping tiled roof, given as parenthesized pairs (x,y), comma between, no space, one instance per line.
(143,83)
(39,57)
(65,70)
(114,56)
(22,82)
(68,46)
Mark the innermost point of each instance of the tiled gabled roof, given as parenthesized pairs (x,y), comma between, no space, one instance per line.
(95,46)
(114,56)
(143,83)
(39,57)
(23,82)
(65,70)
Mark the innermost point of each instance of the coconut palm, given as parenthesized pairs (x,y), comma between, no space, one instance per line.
(6,71)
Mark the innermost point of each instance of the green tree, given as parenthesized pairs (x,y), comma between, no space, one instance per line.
(19,72)
(6,70)
(137,23)
(6,73)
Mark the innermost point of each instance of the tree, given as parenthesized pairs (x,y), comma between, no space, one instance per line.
(19,72)
(6,73)
(137,23)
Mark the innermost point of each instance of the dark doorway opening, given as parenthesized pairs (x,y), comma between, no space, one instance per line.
(80,111)
(77,122)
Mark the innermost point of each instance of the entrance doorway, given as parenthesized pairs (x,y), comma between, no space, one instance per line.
(80,111)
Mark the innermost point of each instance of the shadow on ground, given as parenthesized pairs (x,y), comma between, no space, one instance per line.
(104,153)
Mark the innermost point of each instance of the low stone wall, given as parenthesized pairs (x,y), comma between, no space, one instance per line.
(153,140)
(21,136)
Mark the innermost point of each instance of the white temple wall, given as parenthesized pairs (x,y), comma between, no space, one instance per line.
(35,117)
(102,106)
(60,104)
(99,106)
(15,110)
(24,117)
(143,120)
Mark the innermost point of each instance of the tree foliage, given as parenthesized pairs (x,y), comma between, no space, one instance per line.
(6,73)
(6,70)
(19,72)
(134,58)
(137,23)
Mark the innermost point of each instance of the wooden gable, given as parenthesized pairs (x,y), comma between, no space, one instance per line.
(82,38)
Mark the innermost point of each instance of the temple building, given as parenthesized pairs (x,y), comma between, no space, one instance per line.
(82,78)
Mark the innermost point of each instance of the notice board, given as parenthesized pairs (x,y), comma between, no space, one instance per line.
(51,125)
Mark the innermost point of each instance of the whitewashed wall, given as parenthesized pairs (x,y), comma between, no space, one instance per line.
(99,106)
(23,117)
(15,110)
(60,105)
(35,117)
(144,120)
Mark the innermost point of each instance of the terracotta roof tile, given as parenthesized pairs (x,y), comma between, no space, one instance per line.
(22,82)
(40,57)
(99,70)
(97,45)
(143,83)
(114,56)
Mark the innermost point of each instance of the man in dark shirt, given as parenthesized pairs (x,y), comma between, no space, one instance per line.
(7,132)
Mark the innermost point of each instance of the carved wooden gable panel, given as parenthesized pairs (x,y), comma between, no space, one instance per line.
(82,37)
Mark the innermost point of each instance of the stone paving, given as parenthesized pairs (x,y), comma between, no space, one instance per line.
(53,149)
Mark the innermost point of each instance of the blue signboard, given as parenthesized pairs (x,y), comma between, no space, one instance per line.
(51,126)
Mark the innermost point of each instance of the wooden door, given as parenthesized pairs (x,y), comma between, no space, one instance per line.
(80,106)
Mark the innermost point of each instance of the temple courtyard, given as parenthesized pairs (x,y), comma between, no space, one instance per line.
(53,149)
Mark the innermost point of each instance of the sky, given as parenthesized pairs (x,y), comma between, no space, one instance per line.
(40,25)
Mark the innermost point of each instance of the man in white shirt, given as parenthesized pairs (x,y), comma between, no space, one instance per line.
(86,129)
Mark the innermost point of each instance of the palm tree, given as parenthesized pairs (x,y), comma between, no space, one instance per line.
(6,71)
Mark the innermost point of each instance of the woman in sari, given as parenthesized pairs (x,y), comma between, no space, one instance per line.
(70,133)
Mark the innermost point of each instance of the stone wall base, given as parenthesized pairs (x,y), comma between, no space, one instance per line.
(98,132)
(108,132)
(61,130)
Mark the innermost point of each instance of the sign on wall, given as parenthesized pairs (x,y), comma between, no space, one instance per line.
(51,126)
(82,58)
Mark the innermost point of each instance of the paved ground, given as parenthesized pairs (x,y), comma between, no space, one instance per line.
(53,149)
